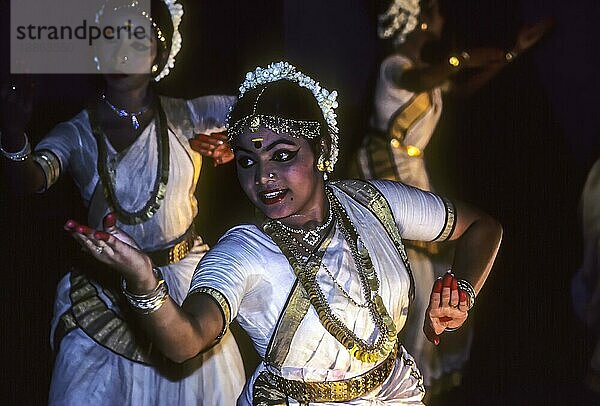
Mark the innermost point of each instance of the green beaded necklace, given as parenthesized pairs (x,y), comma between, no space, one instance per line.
(107,175)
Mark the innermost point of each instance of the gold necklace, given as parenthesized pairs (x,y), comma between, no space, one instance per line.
(306,274)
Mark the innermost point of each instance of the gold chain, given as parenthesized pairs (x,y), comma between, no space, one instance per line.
(306,274)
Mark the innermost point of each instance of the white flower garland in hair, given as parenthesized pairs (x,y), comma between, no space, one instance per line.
(401,15)
(176,11)
(327,100)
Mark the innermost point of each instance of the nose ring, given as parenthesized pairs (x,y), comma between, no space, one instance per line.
(270,177)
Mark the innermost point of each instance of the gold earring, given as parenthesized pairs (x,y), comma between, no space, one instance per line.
(424,26)
(155,68)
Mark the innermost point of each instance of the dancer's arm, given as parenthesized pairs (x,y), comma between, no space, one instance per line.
(478,238)
(180,333)
(421,79)
(22,177)
(490,60)
(528,37)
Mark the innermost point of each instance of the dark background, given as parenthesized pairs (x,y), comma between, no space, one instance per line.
(520,149)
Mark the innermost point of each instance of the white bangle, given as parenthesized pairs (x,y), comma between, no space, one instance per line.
(150,302)
(468,289)
(18,156)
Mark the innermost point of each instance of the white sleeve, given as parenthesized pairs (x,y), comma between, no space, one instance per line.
(392,68)
(227,270)
(210,112)
(419,215)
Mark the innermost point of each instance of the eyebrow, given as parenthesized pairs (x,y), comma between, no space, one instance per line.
(286,142)
(270,147)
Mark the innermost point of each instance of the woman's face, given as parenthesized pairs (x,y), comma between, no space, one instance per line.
(127,61)
(278,174)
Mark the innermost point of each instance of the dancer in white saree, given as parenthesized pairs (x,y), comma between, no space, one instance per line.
(407,108)
(144,167)
(323,286)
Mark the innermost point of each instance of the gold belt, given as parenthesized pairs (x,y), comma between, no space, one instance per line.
(336,391)
(175,253)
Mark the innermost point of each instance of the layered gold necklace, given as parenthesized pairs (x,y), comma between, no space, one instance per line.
(306,272)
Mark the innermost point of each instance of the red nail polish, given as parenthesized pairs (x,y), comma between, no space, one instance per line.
(463,296)
(454,284)
(447,282)
(70,224)
(437,286)
(83,229)
(109,220)
(101,235)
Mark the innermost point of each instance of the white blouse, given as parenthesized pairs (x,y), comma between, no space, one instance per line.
(248,268)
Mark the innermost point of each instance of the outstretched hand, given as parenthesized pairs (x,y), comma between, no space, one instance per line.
(530,35)
(213,145)
(116,249)
(448,308)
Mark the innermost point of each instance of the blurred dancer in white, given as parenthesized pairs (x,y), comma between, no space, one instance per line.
(131,153)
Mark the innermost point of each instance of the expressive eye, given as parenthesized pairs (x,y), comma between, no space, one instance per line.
(138,46)
(245,162)
(284,155)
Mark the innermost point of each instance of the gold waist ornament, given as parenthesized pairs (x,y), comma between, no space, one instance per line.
(334,391)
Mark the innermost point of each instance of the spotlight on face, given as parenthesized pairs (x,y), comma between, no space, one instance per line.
(277,172)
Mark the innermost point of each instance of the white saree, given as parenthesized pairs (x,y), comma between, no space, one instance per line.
(254,276)
(87,369)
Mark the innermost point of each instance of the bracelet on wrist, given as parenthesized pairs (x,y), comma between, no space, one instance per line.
(466,287)
(18,156)
(149,302)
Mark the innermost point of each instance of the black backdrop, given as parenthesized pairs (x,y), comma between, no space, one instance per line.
(520,149)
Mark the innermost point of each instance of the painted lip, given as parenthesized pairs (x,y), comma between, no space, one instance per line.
(273,196)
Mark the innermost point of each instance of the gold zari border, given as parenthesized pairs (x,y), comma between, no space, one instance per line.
(221,301)
(450,221)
